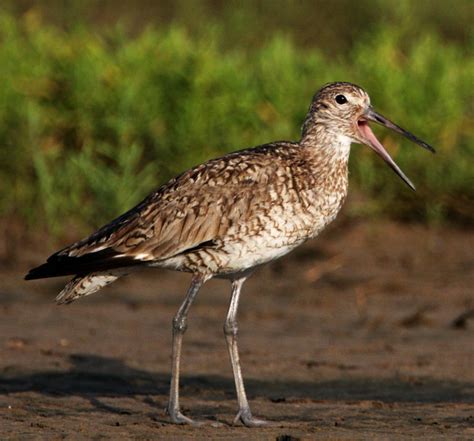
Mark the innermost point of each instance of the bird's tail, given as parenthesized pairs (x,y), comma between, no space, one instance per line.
(81,286)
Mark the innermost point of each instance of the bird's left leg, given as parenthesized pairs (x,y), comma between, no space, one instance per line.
(180,324)
(230,331)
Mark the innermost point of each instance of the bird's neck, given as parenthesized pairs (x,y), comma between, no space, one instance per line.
(324,143)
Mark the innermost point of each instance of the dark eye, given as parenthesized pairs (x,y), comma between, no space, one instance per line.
(341,99)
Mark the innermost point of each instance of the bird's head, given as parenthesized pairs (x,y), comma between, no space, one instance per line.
(343,111)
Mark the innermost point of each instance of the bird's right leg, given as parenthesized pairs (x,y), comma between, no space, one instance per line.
(230,332)
(179,328)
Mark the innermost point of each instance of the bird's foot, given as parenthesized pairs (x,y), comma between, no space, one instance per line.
(178,418)
(245,416)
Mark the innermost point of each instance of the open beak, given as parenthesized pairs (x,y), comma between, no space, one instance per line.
(369,138)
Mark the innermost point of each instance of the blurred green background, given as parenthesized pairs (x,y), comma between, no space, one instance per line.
(102,101)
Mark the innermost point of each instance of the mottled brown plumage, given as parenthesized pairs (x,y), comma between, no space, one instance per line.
(226,217)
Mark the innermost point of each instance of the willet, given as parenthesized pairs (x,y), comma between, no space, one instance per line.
(230,215)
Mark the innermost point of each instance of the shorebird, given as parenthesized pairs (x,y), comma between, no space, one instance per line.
(230,215)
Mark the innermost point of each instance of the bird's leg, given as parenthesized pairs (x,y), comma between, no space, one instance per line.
(179,328)
(230,332)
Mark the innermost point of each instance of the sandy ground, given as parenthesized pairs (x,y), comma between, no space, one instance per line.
(366,333)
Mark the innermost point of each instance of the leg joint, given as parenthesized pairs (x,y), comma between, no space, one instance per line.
(180,324)
(231,328)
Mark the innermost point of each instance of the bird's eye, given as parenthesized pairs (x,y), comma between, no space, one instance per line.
(341,99)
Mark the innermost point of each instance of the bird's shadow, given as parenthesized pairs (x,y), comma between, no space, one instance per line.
(94,378)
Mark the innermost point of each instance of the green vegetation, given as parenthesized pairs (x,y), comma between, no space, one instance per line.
(90,123)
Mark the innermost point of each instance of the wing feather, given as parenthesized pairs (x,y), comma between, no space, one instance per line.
(197,207)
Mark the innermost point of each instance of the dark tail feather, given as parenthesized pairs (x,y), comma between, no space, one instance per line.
(48,270)
(59,265)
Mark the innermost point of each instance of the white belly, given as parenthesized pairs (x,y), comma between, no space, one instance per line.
(255,253)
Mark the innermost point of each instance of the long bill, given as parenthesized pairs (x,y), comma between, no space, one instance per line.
(372,115)
(371,140)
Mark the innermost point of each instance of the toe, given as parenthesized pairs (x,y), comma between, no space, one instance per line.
(255,422)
